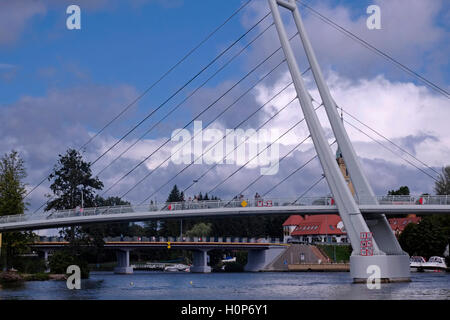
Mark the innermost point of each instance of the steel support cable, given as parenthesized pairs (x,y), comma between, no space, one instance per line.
(260,176)
(204,110)
(268,146)
(392,151)
(293,172)
(210,122)
(224,137)
(389,149)
(388,140)
(185,99)
(179,90)
(132,103)
(309,189)
(170,70)
(377,51)
(167,100)
(242,142)
(281,159)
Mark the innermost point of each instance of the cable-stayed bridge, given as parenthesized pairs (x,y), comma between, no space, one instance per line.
(361,212)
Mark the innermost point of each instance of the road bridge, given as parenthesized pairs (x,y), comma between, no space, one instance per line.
(261,252)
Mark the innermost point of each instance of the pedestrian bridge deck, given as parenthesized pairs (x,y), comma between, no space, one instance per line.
(318,205)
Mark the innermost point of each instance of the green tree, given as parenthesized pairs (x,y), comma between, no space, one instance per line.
(12,193)
(72,182)
(442,186)
(427,238)
(72,186)
(200,230)
(402,191)
(171,227)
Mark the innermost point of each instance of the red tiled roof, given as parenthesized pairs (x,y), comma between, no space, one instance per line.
(293,220)
(327,224)
(399,224)
(318,224)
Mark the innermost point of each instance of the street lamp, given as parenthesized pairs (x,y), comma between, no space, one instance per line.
(82,196)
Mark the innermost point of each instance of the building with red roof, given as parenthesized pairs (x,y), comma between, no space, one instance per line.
(399,224)
(316,228)
(290,224)
(329,228)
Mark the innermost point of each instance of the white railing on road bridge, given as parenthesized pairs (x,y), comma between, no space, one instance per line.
(165,240)
(214,204)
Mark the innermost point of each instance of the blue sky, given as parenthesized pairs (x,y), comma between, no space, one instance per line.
(59,86)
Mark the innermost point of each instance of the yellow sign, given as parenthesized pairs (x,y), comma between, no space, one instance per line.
(244,203)
(168,245)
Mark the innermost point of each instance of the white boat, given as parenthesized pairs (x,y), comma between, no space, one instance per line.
(177,268)
(435,264)
(229,259)
(416,263)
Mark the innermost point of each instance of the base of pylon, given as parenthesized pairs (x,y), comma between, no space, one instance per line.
(388,268)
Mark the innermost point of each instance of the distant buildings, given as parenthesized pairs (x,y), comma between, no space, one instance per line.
(329,228)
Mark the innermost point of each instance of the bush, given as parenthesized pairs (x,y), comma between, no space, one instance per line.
(29,264)
(60,260)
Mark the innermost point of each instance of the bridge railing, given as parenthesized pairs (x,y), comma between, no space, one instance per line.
(165,240)
(215,204)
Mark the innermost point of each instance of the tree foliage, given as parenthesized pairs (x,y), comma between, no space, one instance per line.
(402,191)
(442,186)
(73,186)
(71,181)
(427,238)
(200,230)
(12,193)
(12,187)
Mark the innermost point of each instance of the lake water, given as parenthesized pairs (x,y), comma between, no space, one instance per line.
(233,286)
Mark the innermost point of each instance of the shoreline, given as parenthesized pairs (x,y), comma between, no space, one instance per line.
(8,277)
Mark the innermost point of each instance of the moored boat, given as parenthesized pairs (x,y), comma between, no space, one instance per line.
(416,263)
(435,264)
(176,268)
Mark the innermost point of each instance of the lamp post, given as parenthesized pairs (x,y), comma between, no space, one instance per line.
(82,196)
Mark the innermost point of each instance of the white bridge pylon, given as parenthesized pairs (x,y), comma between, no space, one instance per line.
(387,253)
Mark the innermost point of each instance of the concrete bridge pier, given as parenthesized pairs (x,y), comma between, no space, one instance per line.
(387,268)
(123,262)
(200,263)
(258,259)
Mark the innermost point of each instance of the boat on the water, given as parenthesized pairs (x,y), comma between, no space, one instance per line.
(177,268)
(435,264)
(416,263)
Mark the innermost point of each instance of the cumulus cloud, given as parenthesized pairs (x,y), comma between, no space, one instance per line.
(14,16)
(419,42)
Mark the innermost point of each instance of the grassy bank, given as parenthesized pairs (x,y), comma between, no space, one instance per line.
(342,252)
